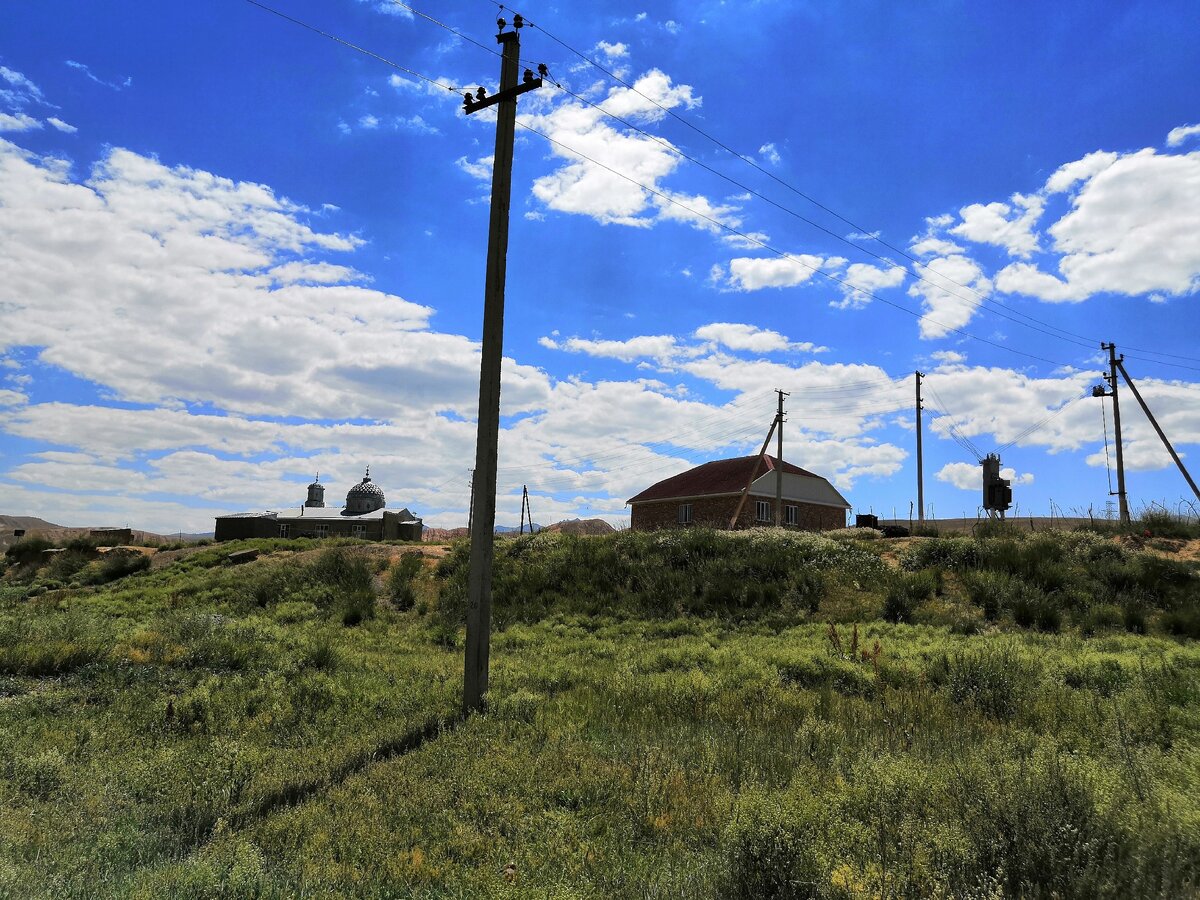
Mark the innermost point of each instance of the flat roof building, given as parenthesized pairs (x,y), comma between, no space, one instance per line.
(364,516)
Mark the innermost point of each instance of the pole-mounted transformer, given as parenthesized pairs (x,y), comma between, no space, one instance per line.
(997,491)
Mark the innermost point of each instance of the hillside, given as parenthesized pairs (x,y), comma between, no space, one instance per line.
(695,714)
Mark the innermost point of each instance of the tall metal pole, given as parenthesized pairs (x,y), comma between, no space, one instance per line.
(483,511)
(779,460)
(1112,383)
(1162,436)
(920,459)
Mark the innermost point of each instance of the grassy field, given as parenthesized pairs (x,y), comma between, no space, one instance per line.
(680,715)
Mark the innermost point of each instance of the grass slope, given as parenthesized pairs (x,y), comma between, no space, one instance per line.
(688,714)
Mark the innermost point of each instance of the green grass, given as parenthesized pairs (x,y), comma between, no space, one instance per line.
(681,715)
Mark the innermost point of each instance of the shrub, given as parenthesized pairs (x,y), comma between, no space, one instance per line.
(28,551)
(995,680)
(905,592)
(1183,622)
(400,580)
(1161,523)
(1103,616)
(772,846)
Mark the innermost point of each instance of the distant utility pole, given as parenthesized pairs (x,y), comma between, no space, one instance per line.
(525,510)
(779,460)
(471,508)
(920,459)
(1153,421)
(1098,391)
(483,504)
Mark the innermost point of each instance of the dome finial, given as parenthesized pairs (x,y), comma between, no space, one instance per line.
(367,477)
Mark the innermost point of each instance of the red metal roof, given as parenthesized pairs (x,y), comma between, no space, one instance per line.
(721,476)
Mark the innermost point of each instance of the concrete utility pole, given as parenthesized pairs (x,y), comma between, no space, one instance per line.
(1153,421)
(779,460)
(483,511)
(1111,378)
(920,460)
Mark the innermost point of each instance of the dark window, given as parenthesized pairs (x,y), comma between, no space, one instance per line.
(791,515)
(762,511)
(685,514)
(283,530)
(322,531)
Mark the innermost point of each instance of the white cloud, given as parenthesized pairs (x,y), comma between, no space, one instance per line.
(738,336)
(1010,227)
(1080,170)
(935,246)
(969,476)
(948,357)
(368,121)
(62,126)
(145,262)
(756,273)
(12,398)
(18,122)
(481,168)
(115,85)
(20,90)
(659,347)
(592,186)
(613,51)
(951,289)
(1178,135)
(861,280)
(1132,230)
(770,153)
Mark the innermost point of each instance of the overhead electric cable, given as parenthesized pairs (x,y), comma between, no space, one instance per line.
(782,254)
(748,160)
(363,50)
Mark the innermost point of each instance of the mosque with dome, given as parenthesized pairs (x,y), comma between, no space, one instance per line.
(363,516)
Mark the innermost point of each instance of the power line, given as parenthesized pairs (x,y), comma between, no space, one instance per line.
(782,254)
(345,43)
(749,160)
(744,236)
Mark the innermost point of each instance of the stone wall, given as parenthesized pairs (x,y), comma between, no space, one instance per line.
(714,512)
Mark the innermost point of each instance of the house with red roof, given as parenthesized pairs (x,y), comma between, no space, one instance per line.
(711,494)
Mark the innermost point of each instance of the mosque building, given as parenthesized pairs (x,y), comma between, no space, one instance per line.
(363,516)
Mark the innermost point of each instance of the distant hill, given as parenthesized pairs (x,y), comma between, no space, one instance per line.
(573,526)
(49,530)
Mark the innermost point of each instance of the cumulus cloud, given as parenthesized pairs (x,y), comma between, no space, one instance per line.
(62,126)
(770,153)
(613,51)
(861,280)
(969,476)
(951,289)
(1178,135)
(1131,231)
(1002,224)
(755,273)
(18,122)
(591,186)
(144,261)
(480,168)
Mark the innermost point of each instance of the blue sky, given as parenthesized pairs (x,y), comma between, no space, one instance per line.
(234,252)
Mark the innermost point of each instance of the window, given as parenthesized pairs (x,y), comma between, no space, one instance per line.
(685,514)
(283,530)
(762,511)
(322,531)
(358,530)
(791,515)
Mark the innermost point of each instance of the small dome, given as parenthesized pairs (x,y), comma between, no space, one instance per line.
(365,496)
